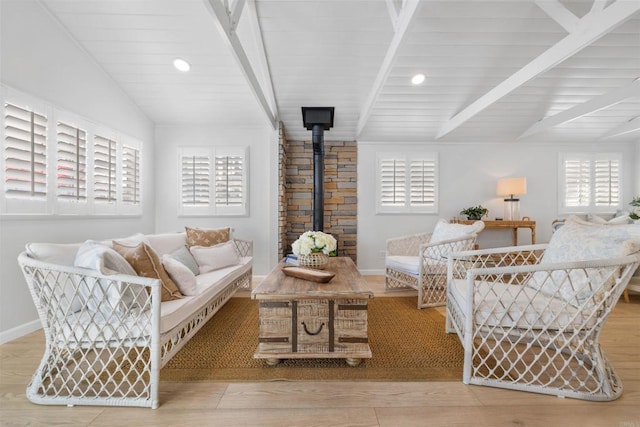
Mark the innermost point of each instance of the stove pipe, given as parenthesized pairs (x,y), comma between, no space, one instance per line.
(318,119)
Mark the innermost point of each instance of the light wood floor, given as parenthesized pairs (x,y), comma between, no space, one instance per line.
(340,403)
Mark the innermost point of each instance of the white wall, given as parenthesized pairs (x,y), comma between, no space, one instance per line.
(258,226)
(468,176)
(39,58)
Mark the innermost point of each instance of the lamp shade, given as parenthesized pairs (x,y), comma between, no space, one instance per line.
(512,186)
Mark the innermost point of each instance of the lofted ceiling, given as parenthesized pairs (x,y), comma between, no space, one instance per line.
(503,70)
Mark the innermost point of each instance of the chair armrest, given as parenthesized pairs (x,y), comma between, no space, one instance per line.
(460,262)
(407,245)
(601,279)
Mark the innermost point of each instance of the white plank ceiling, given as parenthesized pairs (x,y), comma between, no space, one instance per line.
(496,70)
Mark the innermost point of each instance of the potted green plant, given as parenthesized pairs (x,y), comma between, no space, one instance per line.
(475,212)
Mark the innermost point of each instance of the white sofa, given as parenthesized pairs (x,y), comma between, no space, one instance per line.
(108,335)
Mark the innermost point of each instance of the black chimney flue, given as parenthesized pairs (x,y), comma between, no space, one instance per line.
(318,119)
(318,177)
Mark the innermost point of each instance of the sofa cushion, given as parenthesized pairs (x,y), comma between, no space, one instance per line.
(406,264)
(146,263)
(206,237)
(181,275)
(215,257)
(506,305)
(209,285)
(444,230)
(166,243)
(184,255)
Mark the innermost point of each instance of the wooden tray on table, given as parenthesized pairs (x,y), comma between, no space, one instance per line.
(319,276)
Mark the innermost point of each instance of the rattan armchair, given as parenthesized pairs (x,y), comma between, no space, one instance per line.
(535,326)
(419,261)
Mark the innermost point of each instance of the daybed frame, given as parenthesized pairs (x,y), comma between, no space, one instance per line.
(112,358)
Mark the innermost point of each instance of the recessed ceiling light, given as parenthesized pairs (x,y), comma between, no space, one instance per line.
(181,64)
(417,79)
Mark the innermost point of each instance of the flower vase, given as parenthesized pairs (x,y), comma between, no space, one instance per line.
(315,260)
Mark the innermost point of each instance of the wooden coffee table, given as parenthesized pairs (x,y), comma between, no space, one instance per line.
(304,319)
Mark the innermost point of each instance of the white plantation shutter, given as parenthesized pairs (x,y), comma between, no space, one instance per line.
(423,182)
(407,183)
(607,182)
(229,180)
(577,188)
(71,169)
(196,180)
(104,169)
(590,183)
(25,154)
(130,175)
(393,177)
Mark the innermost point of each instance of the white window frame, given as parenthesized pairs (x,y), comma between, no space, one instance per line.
(590,159)
(407,206)
(51,204)
(209,206)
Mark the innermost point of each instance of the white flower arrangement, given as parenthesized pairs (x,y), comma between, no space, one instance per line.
(315,241)
(635,212)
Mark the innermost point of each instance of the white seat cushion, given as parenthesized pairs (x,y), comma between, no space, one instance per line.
(406,264)
(209,284)
(499,304)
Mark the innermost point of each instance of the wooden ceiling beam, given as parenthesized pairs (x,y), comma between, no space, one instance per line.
(559,13)
(405,17)
(632,125)
(225,22)
(591,27)
(595,104)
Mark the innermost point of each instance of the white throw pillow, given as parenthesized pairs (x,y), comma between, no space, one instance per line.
(616,220)
(181,275)
(100,257)
(185,256)
(106,296)
(211,258)
(445,230)
(579,240)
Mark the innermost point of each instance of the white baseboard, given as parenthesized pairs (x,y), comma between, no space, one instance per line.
(19,331)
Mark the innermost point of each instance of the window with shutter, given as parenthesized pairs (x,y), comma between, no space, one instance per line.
(25,152)
(104,170)
(213,181)
(407,183)
(590,182)
(130,175)
(71,174)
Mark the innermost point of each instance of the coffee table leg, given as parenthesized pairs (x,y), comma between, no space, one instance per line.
(353,361)
(273,361)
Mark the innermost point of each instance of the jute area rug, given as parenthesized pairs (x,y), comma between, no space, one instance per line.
(407,344)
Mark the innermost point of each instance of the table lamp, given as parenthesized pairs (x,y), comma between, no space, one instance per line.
(512,187)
